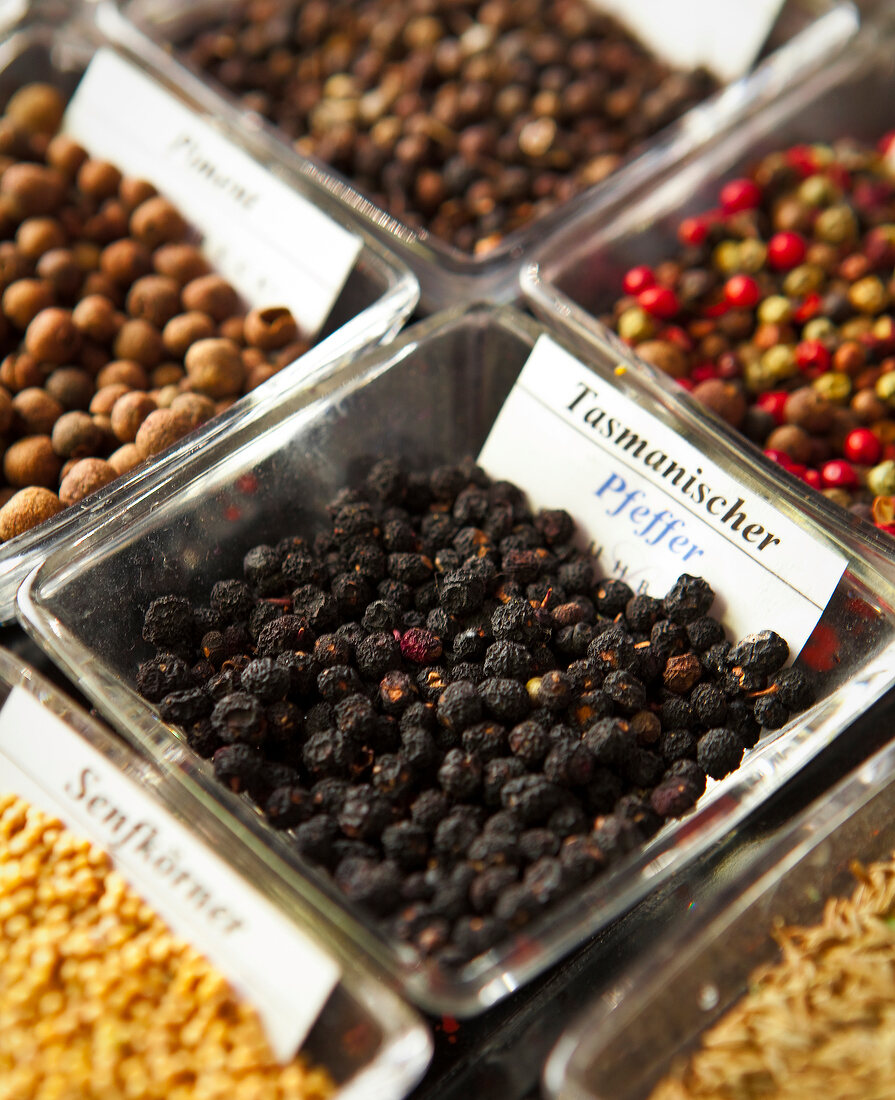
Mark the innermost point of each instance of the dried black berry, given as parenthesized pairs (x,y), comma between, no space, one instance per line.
(169,623)
(239,717)
(161,675)
(719,752)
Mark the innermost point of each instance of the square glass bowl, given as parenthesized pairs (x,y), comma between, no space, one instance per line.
(431,397)
(55,44)
(808,33)
(371,1041)
(628,1040)
(577,274)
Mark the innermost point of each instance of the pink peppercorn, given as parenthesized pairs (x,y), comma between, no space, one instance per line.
(740,194)
(786,250)
(742,292)
(863,447)
(659,301)
(838,474)
(638,279)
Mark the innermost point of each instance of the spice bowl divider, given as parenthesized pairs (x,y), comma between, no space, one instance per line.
(577,273)
(372,1042)
(56,44)
(627,1041)
(807,33)
(431,397)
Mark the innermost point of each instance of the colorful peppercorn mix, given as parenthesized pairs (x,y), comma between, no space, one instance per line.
(449,710)
(468,119)
(818,1022)
(99,1001)
(777,313)
(118,338)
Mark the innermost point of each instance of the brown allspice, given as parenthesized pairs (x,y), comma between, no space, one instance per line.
(37,107)
(36,411)
(157,221)
(166,374)
(214,367)
(128,413)
(96,317)
(139,340)
(38,235)
(62,271)
(270,328)
(213,295)
(85,477)
(23,299)
(52,336)
(7,410)
(133,191)
(154,298)
(99,179)
(183,262)
(32,461)
(125,261)
(35,188)
(103,401)
(125,458)
(124,372)
(65,155)
(75,435)
(185,329)
(159,430)
(72,387)
(26,509)
(196,407)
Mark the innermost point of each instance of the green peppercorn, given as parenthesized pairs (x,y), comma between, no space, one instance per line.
(881,479)
(726,257)
(803,280)
(635,324)
(837,224)
(819,328)
(868,295)
(885,388)
(775,310)
(752,256)
(778,362)
(818,191)
(834,386)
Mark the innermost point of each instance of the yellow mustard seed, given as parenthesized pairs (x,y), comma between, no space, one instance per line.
(99,1001)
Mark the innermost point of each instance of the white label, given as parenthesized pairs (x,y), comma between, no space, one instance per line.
(273,244)
(653,505)
(284,975)
(723,35)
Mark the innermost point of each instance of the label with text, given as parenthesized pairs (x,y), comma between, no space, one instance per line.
(272,243)
(724,37)
(282,973)
(651,503)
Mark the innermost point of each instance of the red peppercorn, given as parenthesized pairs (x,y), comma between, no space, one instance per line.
(813,478)
(802,158)
(886,142)
(717,309)
(862,446)
(786,250)
(780,457)
(812,357)
(797,468)
(773,402)
(740,194)
(674,334)
(693,231)
(685,383)
(742,292)
(838,474)
(702,372)
(810,307)
(637,279)
(659,301)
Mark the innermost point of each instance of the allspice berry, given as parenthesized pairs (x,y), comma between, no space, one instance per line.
(122,372)
(214,367)
(37,107)
(664,355)
(24,299)
(98,178)
(724,398)
(186,329)
(212,295)
(26,509)
(139,340)
(97,318)
(808,409)
(35,188)
(125,458)
(157,221)
(32,461)
(85,477)
(196,407)
(75,435)
(183,262)
(125,261)
(128,414)
(7,412)
(72,387)
(53,336)
(269,328)
(36,411)
(792,441)
(155,298)
(159,430)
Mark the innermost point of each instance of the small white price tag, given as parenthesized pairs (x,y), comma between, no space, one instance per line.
(652,505)
(285,976)
(723,35)
(273,244)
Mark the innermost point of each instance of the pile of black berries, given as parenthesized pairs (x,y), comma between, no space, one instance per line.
(448,708)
